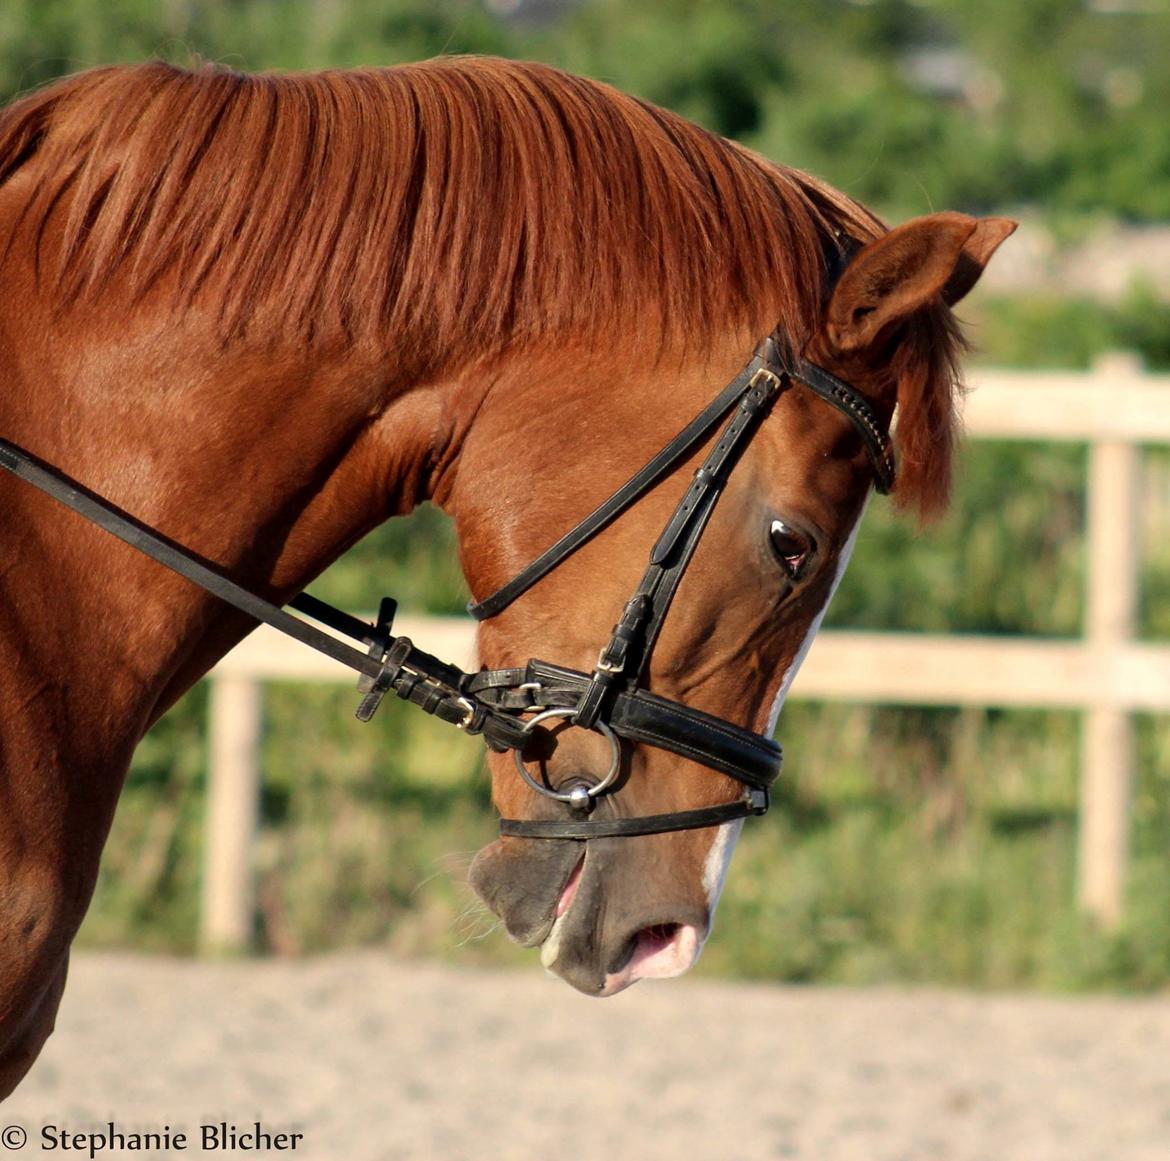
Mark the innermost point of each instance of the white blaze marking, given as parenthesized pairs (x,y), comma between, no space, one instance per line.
(814,626)
(719,856)
(718,859)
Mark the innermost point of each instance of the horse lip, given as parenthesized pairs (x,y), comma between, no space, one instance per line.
(550,947)
(523,888)
(624,956)
(569,891)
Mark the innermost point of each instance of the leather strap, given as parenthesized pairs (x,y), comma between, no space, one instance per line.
(121,524)
(626,657)
(389,664)
(645,478)
(631,712)
(592,828)
(491,701)
(638,716)
(856,408)
(673,550)
(768,356)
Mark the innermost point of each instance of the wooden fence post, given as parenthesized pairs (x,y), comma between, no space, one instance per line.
(233,792)
(1112,545)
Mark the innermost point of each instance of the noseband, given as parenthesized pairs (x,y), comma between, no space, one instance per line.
(611,700)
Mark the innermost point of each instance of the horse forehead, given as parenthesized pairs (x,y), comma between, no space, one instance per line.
(808,458)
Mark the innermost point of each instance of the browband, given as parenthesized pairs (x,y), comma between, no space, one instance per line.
(855,407)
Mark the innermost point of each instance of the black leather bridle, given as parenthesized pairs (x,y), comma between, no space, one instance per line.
(611,700)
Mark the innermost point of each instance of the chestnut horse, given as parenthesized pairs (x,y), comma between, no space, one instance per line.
(264,313)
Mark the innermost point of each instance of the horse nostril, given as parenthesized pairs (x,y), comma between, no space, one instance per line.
(658,951)
(651,940)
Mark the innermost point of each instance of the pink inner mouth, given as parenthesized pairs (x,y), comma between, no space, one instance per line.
(570,891)
(660,952)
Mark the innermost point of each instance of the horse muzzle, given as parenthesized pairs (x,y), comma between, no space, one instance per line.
(603,912)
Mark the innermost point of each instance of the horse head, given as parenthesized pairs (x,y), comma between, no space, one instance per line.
(609,910)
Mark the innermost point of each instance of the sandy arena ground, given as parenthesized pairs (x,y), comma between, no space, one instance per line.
(371,1058)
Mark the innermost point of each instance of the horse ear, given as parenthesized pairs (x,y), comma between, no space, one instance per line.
(941,254)
(977,252)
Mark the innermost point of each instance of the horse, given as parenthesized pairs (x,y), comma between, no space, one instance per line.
(264,313)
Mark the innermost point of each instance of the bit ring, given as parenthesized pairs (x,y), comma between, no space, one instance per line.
(573,797)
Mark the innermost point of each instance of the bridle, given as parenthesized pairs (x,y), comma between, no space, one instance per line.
(610,700)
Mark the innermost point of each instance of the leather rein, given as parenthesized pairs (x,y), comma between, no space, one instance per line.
(610,700)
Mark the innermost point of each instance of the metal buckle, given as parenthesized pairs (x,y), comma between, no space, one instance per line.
(536,686)
(468,713)
(762,374)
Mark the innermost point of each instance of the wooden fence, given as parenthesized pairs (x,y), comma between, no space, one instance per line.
(1106,673)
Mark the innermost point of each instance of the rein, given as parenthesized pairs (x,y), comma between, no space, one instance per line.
(610,700)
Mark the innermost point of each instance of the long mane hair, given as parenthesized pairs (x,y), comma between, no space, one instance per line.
(462,204)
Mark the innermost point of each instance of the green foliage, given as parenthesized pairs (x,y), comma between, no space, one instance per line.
(43,39)
(1013,531)
(909,106)
(913,845)
(716,68)
(943,854)
(148,883)
(367,829)
(416,561)
(1051,331)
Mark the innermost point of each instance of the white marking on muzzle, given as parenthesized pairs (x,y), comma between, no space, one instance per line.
(551,948)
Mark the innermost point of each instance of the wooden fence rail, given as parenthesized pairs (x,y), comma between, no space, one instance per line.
(1106,673)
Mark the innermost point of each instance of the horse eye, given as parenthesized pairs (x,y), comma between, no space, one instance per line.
(790,547)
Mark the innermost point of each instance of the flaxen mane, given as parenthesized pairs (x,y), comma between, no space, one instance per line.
(459,205)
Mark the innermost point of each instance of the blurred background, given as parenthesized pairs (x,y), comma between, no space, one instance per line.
(909,843)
